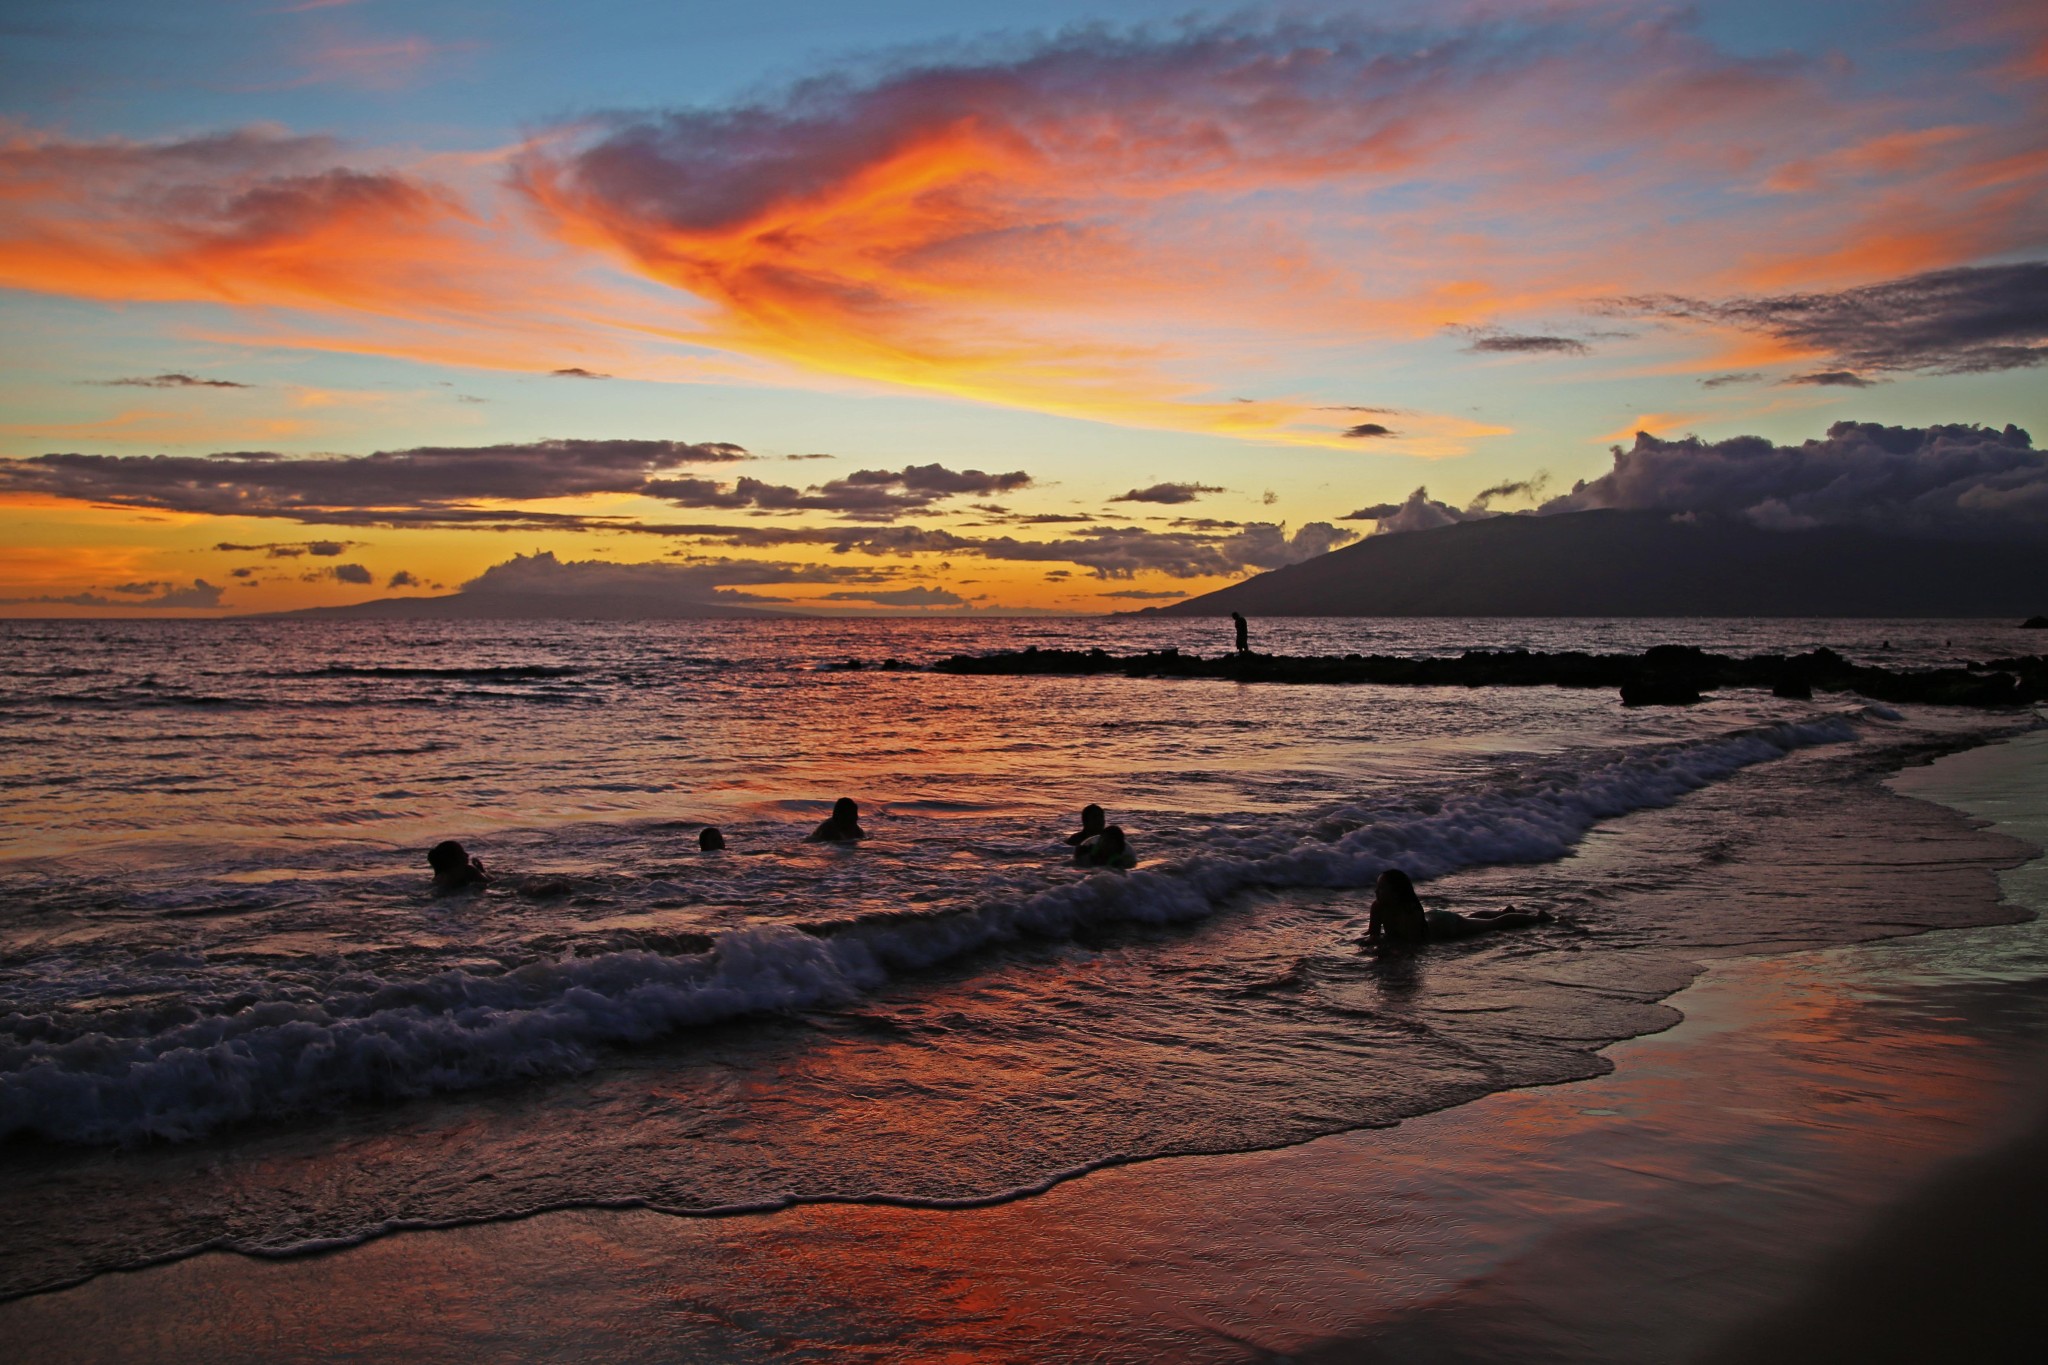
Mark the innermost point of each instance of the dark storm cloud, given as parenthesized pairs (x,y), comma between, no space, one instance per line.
(171,381)
(200,594)
(1168,494)
(1969,320)
(351,573)
(1941,480)
(1832,379)
(1367,430)
(404,578)
(429,485)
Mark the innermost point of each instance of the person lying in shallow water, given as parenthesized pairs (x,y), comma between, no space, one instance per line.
(454,869)
(1397,919)
(1107,849)
(1093,822)
(840,827)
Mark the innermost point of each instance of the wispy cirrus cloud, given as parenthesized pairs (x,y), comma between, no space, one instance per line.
(170,381)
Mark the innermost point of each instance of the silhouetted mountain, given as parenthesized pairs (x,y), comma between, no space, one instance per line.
(470,606)
(1608,563)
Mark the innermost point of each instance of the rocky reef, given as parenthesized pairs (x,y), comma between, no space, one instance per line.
(1667,675)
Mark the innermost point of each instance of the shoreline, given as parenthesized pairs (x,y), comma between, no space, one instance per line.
(1448,1169)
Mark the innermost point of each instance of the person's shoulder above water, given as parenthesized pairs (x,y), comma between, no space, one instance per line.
(1093,822)
(454,869)
(1107,849)
(842,826)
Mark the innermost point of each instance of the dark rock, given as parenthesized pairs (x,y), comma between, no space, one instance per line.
(1668,675)
(2035,623)
(1659,690)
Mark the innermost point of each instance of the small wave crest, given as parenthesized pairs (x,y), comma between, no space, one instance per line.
(384,1039)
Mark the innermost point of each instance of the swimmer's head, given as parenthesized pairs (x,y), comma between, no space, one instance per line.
(1092,818)
(844,809)
(1394,882)
(709,839)
(448,859)
(1111,840)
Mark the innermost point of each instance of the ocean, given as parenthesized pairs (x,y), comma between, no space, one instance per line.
(232,1014)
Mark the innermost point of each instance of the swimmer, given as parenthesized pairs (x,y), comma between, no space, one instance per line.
(1449,924)
(1093,822)
(1397,919)
(1107,849)
(709,840)
(454,869)
(841,827)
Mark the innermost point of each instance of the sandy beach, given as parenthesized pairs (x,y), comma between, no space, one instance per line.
(1739,1187)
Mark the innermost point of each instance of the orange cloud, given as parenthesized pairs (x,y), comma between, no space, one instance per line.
(1133,229)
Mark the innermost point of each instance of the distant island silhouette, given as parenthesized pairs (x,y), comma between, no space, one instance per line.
(1611,563)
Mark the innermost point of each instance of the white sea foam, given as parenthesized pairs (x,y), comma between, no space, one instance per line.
(462,1029)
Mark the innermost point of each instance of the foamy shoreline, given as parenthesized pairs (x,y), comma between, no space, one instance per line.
(1628,1217)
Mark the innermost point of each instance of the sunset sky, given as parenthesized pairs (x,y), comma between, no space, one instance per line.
(904,306)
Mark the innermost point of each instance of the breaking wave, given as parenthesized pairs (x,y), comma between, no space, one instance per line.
(390,1039)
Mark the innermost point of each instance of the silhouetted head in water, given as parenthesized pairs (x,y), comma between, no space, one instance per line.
(1107,849)
(1092,823)
(1396,916)
(842,826)
(453,868)
(709,839)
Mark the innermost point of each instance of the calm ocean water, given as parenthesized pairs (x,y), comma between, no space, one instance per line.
(231,1014)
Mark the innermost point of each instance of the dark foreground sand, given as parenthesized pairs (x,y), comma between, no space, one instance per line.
(1839,1155)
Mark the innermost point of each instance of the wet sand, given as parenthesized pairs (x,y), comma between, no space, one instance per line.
(1740,1187)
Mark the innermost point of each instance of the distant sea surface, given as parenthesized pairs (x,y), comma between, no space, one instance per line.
(232,1015)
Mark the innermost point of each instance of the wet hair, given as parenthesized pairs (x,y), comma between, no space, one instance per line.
(846,809)
(448,859)
(1395,884)
(1110,841)
(1092,817)
(709,839)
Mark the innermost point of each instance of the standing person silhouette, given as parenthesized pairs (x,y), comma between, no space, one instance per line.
(1244,635)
